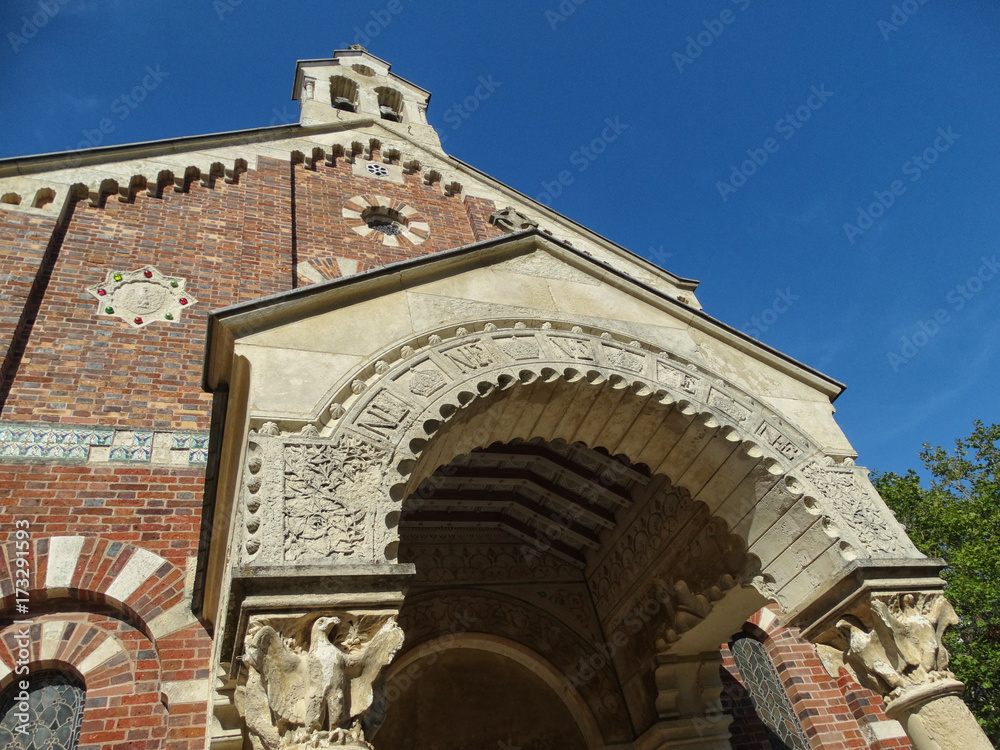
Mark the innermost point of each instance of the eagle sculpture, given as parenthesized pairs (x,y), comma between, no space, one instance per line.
(314,698)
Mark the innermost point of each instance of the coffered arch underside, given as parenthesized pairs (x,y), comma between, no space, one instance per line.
(417,404)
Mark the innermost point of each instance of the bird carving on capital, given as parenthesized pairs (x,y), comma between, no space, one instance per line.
(320,695)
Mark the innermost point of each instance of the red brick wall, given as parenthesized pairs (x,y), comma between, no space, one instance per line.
(322,234)
(154,507)
(232,242)
(23,241)
(831,711)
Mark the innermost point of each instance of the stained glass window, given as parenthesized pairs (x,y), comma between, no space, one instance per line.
(54,711)
(768,694)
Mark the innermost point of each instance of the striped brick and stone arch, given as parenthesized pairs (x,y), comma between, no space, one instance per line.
(443,394)
(124,691)
(142,585)
(385,220)
(93,653)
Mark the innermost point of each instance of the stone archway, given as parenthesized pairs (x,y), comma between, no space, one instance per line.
(804,515)
(315,485)
(579,555)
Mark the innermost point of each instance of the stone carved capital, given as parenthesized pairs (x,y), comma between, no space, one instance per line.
(893,643)
(315,682)
(511,220)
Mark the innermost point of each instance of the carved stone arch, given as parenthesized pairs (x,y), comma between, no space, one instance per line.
(766,479)
(571,698)
(337,402)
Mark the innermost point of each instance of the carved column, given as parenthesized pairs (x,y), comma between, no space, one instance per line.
(309,623)
(689,704)
(891,643)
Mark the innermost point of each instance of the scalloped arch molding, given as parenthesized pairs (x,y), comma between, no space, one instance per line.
(378,380)
(424,400)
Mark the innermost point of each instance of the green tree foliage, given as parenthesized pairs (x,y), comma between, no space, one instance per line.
(958,518)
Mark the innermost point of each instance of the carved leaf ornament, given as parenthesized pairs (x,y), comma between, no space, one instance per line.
(320,481)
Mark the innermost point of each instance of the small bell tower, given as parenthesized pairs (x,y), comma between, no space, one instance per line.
(354,85)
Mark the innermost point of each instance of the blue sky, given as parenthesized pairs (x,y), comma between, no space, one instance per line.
(829,173)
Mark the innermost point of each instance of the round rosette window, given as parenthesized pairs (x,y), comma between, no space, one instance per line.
(386,221)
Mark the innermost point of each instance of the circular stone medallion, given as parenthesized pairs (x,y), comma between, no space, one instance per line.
(141,297)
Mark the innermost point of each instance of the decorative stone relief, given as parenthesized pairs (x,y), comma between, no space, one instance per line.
(384,415)
(895,643)
(857,504)
(520,348)
(574,348)
(729,406)
(330,490)
(73,443)
(774,437)
(511,220)
(387,403)
(618,357)
(686,609)
(320,690)
(633,549)
(425,382)
(675,377)
(141,297)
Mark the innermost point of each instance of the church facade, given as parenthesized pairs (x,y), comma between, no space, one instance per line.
(314,436)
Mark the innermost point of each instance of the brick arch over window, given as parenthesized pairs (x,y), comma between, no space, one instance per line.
(92,653)
(131,579)
(122,676)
